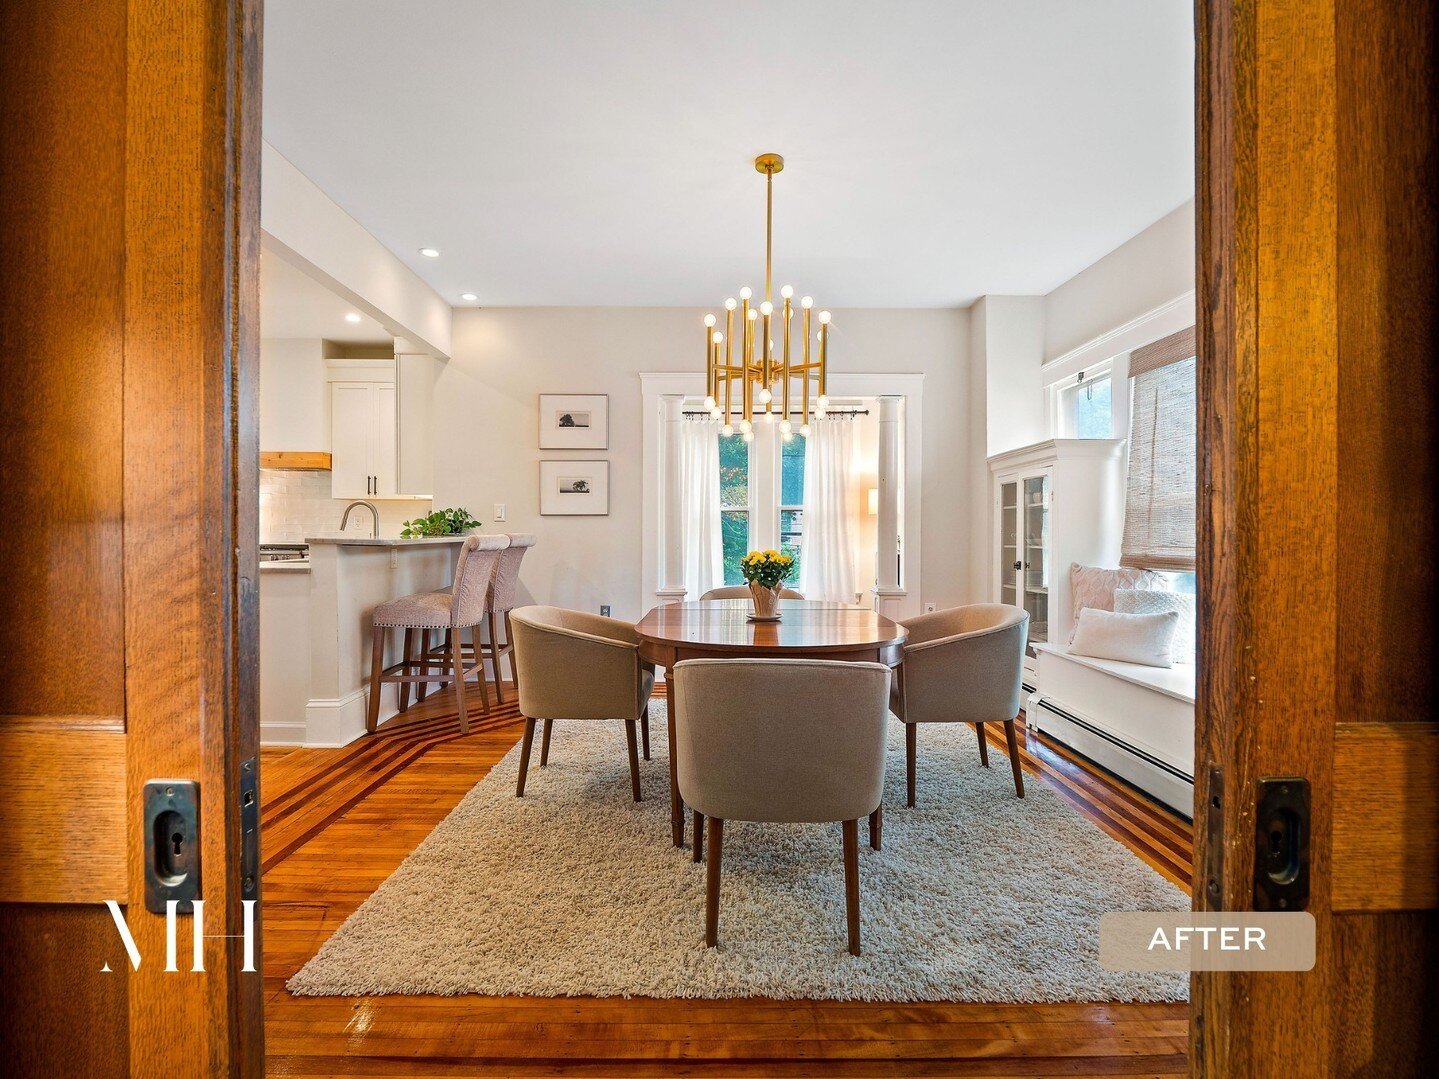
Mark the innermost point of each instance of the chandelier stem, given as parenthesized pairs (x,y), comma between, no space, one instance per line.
(768,232)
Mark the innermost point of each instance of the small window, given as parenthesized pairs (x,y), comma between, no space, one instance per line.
(791,502)
(734,506)
(1084,408)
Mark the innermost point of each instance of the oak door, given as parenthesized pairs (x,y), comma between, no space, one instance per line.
(1318,323)
(129,210)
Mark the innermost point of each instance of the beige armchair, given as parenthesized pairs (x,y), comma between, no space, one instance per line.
(741,591)
(781,740)
(574,665)
(962,666)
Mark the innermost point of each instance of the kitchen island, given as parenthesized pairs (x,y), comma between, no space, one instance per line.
(315,631)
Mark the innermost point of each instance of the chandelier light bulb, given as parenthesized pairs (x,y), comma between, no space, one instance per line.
(766,308)
(806,302)
(753,314)
(768,417)
(716,412)
(820,412)
(730,305)
(804,430)
(785,427)
(710,403)
(787,436)
(764,397)
(787,291)
(824,400)
(745,293)
(746,426)
(824,318)
(727,430)
(709,320)
(718,338)
(749,436)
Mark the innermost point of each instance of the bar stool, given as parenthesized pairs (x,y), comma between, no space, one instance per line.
(501,602)
(458,608)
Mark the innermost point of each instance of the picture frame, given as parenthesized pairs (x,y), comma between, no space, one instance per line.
(574,488)
(571,421)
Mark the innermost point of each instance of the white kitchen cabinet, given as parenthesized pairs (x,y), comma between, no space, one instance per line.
(363,436)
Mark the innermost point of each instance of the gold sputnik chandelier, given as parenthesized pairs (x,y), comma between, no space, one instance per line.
(778,389)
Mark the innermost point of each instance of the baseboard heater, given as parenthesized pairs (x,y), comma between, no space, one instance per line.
(1172,786)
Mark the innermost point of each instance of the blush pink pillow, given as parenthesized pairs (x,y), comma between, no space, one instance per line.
(1094,586)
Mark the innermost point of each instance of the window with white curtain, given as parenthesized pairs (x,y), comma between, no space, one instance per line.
(1159,511)
(761,493)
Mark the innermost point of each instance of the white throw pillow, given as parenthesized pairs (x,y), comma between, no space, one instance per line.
(1094,586)
(1153,601)
(1130,638)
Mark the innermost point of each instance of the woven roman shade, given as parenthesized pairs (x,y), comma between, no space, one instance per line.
(1159,506)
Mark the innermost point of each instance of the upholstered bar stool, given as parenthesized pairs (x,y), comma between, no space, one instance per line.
(499,605)
(461,607)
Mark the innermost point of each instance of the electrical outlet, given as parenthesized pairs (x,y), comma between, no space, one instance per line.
(605,609)
(929,608)
(499,512)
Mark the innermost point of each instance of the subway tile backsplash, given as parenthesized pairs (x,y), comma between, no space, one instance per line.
(295,505)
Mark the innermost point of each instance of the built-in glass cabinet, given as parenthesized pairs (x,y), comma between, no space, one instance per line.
(1024,569)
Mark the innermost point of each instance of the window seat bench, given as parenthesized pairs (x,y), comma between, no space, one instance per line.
(1136,721)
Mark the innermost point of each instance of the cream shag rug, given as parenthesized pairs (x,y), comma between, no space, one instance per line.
(575,890)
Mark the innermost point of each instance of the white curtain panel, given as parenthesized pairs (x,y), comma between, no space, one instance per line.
(699,498)
(830,504)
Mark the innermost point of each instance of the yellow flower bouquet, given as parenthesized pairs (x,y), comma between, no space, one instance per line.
(766,572)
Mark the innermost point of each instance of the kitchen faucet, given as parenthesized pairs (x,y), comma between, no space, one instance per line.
(374,514)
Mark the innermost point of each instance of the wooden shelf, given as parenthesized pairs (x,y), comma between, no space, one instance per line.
(299,460)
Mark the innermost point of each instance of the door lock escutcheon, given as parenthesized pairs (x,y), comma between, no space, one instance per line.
(1281,844)
(172,843)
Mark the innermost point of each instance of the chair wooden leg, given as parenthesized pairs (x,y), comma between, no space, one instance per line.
(1012,737)
(405,669)
(851,882)
(699,843)
(876,826)
(645,731)
(459,661)
(910,748)
(712,881)
(480,673)
(632,744)
(677,806)
(983,746)
(545,743)
(422,689)
(510,645)
(495,653)
(377,671)
(525,756)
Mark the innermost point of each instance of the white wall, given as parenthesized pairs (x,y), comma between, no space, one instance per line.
(486,430)
(1142,274)
(294,397)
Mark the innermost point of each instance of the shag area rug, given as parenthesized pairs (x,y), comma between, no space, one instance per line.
(575,890)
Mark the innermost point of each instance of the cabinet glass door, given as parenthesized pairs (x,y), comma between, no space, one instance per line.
(1035,579)
(1009,556)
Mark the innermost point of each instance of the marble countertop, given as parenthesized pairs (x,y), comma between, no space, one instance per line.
(366,541)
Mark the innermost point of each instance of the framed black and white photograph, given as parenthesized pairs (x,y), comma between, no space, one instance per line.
(574,421)
(574,488)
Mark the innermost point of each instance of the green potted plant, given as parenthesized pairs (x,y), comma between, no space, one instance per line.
(446,522)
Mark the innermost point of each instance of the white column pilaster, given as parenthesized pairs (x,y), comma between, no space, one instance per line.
(889,589)
(672,565)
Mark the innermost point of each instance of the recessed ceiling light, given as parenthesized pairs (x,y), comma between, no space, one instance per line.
(468,297)
(352,317)
(429,252)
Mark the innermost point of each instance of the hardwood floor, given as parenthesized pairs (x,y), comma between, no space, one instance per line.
(338,822)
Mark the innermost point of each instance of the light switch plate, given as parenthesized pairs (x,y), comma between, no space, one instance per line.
(605,609)
(499,511)
(929,608)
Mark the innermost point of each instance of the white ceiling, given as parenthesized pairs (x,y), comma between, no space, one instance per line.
(295,305)
(578,152)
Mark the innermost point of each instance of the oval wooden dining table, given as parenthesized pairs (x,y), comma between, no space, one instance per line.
(721,629)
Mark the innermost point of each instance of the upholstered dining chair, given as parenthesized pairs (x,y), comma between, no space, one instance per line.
(962,665)
(459,607)
(741,591)
(784,741)
(576,665)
